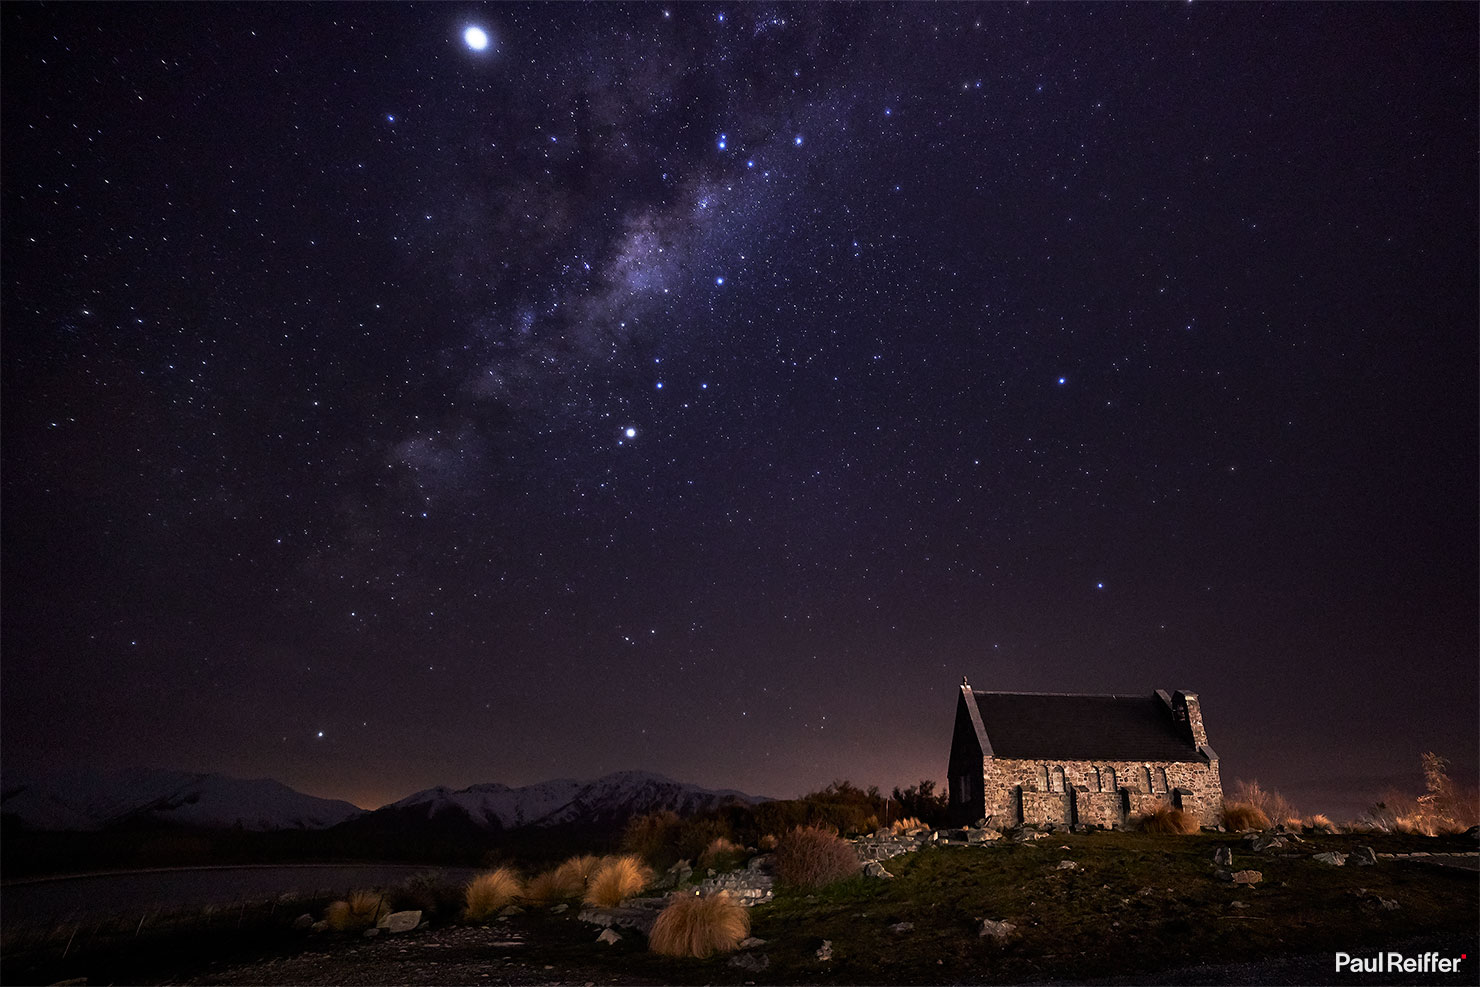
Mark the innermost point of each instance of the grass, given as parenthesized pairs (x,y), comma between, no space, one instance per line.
(490,893)
(809,857)
(699,927)
(909,824)
(1271,803)
(1243,817)
(1166,819)
(361,911)
(722,854)
(616,880)
(548,887)
(574,875)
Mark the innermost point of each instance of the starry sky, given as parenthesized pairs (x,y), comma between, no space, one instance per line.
(707,388)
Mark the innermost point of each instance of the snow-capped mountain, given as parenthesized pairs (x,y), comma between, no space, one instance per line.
(94,800)
(609,799)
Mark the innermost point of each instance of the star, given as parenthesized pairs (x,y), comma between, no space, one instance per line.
(476,38)
(630,432)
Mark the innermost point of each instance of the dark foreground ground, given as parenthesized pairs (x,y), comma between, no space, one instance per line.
(1133,909)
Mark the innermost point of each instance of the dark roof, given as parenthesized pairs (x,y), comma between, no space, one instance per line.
(1081,728)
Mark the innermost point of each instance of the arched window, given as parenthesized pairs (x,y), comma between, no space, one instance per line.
(1161,779)
(1056,780)
(1146,770)
(1094,779)
(1107,780)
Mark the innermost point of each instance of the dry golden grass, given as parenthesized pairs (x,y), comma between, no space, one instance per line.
(551,886)
(1243,817)
(617,879)
(1272,804)
(809,857)
(490,893)
(361,911)
(721,854)
(576,873)
(699,927)
(1165,818)
(909,824)
(768,842)
(650,835)
(1321,823)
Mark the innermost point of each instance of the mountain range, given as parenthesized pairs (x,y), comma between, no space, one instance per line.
(91,801)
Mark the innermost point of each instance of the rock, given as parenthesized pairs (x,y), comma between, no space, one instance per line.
(1331,857)
(875,869)
(900,928)
(1067,865)
(883,833)
(1362,856)
(560,909)
(1473,832)
(756,962)
(1246,877)
(996,930)
(370,933)
(1237,904)
(1264,842)
(400,921)
(609,937)
(1223,856)
(764,864)
(319,926)
(750,942)
(824,952)
(1387,904)
(511,911)
(1223,875)
(302,922)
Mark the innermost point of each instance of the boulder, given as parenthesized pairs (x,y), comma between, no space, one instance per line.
(1362,856)
(750,942)
(303,922)
(1264,842)
(995,929)
(370,933)
(609,937)
(319,926)
(752,962)
(900,928)
(875,869)
(511,911)
(1331,857)
(400,921)
(560,909)
(1246,877)
(1068,865)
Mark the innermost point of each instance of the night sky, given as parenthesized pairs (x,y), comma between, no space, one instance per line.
(706,389)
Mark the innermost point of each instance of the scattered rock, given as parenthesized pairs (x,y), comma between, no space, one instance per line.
(1264,842)
(995,929)
(1068,865)
(751,942)
(1246,877)
(400,921)
(1223,856)
(824,952)
(1362,856)
(609,937)
(560,909)
(756,962)
(1237,904)
(875,869)
(302,922)
(511,911)
(1387,904)
(319,926)
(1331,857)
(900,928)
(370,933)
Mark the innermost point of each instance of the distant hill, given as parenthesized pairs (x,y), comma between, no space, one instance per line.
(88,801)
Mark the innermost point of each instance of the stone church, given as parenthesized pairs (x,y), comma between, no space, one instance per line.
(1034,758)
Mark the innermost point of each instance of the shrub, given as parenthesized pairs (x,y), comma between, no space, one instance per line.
(1165,818)
(617,879)
(1241,817)
(1272,804)
(722,854)
(809,857)
(653,836)
(695,835)
(361,911)
(909,824)
(490,893)
(699,927)
(769,842)
(551,886)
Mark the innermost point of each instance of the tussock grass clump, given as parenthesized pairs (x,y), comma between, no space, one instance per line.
(575,873)
(699,927)
(548,887)
(617,879)
(1243,817)
(909,824)
(1165,818)
(361,911)
(722,854)
(1272,804)
(809,857)
(769,842)
(490,893)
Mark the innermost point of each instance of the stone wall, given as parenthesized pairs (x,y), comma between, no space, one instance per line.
(1025,791)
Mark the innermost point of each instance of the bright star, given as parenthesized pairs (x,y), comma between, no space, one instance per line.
(719,280)
(797,140)
(660,385)
(1061,380)
(321,733)
(1099,585)
(390,118)
(631,433)
(476,38)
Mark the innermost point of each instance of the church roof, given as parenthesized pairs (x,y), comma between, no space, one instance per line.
(1038,726)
